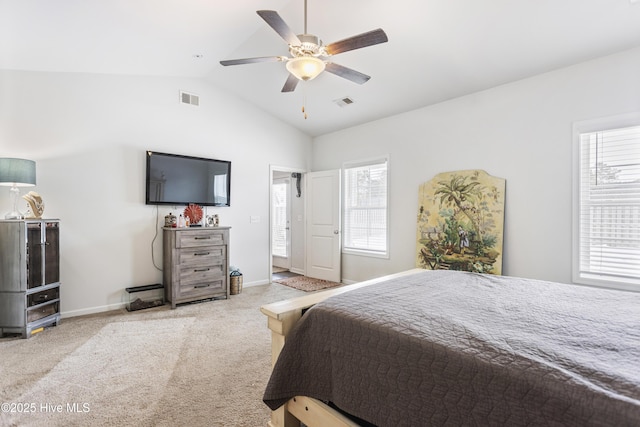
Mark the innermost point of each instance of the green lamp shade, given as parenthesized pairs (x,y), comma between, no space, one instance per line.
(18,172)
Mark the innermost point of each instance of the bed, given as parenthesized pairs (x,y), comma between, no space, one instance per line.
(455,348)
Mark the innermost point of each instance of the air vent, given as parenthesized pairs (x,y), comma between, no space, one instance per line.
(189,98)
(343,102)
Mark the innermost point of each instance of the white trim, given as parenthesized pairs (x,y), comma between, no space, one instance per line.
(93,310)
(386,254)
(272,169)
(586,126)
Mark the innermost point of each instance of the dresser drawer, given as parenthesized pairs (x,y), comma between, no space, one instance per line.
(199,238)
(204,289)
(201,274)
(43,296)
(205,256)
(42,311)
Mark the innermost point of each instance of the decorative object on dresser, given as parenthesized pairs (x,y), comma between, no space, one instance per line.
(194,213)
(36,205)
(29,276)
(212,221)
(16,173)
(195,264)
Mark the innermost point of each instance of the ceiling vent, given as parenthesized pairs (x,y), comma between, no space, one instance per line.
(343,102)
(189,98)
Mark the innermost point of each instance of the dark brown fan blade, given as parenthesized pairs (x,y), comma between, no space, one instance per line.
(347,73)
(357,42)
(253,60)
(274,20)
(290,84)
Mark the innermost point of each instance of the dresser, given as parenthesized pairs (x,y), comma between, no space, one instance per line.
(195,263)
(29,275)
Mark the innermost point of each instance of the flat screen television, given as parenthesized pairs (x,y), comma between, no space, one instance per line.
(173,179)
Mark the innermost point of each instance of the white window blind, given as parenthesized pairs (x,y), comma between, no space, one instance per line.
(609,206)
(365,208)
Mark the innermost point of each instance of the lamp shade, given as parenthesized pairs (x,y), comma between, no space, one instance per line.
(305,67)
(17,172)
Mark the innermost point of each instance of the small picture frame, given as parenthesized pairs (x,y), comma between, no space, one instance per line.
(212,221)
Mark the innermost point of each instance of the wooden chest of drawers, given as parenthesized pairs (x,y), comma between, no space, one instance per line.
(195,264)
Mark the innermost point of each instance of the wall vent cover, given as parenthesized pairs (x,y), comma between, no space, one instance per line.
(343,102)
(189,98)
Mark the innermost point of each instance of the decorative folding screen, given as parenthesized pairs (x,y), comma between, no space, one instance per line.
(461,222)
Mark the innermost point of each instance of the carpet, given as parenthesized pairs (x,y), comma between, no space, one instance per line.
(122,360)
(307,284)
(201,365)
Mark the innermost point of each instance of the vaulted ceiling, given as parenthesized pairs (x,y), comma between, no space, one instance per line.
(437,49)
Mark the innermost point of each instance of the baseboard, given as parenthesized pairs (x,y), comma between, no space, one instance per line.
(297,271)
(256,283)
(92,310)
(348,282)
(122,305)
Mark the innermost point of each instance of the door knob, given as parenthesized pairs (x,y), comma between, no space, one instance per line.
(336,231)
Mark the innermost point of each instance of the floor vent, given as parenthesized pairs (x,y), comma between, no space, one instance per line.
(343,102)
(189,98)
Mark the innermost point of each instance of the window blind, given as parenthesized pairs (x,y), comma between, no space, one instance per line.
(609,205)
(365,207)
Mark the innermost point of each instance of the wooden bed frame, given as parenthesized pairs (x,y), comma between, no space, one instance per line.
(281,317)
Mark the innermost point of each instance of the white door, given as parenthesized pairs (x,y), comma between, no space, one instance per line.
(323,225)
(281,223)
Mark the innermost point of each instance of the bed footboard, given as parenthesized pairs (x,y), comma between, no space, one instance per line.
(281,317)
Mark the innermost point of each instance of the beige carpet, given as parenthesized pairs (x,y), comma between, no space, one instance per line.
(199,365)
(306,284)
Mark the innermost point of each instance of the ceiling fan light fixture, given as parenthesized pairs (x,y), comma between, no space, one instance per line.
(305,67)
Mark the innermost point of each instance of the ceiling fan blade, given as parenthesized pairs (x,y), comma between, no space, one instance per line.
(290,84)
(253,60)
(274,20)
(347,73)
(369,38)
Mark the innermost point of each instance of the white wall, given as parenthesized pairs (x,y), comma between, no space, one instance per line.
(521,132)
(89,133)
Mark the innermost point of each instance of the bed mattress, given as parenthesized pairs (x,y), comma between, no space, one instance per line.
(459,348)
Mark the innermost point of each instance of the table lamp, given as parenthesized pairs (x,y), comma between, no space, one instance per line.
(16,173)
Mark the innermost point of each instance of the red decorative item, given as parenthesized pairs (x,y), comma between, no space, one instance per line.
(194,212)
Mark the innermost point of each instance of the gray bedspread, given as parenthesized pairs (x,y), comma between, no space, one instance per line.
(455,348)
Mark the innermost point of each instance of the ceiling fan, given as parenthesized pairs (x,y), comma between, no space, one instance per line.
(309,57)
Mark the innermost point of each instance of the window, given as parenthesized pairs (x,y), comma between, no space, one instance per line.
(607,208)
(280,194)
(365,208)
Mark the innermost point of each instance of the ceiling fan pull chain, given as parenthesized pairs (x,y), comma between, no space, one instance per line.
(304,102)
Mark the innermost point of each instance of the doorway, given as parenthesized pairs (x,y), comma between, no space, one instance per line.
(281,222)
(287,222)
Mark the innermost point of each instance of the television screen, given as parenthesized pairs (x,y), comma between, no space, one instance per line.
(173,179)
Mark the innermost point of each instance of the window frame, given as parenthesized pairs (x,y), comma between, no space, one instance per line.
(357,251)
(582,127)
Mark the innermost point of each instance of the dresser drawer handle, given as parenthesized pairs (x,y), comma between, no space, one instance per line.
(201,269)
(202,253)
(202,286)
(203,238)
